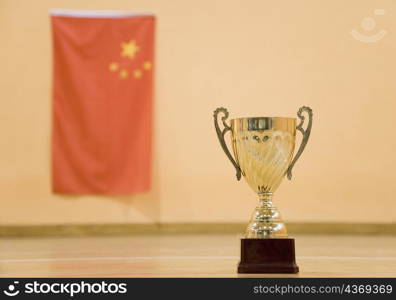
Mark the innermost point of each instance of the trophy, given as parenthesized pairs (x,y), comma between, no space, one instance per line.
(263,149)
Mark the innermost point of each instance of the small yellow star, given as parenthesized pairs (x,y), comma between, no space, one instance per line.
(137,74)
(129,49)
(147,65)
(124,74)
(114,67)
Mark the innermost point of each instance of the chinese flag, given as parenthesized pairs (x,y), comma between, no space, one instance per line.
(102,102)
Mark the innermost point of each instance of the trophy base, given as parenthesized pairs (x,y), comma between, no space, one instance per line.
(268,256)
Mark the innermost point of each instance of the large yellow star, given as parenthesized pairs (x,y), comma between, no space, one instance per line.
(129,49)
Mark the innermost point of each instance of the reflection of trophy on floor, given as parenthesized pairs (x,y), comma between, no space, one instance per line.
(263,148)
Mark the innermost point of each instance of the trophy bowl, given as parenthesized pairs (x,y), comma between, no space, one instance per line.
(263,148)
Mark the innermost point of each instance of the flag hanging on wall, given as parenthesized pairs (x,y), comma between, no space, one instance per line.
(102,102)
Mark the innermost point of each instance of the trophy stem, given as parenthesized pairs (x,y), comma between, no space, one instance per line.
(266,221)
(265,200)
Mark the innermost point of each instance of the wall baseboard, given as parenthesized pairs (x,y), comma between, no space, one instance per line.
(187,228)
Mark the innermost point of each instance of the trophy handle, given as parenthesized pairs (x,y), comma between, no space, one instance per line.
(220,135)
(305,132)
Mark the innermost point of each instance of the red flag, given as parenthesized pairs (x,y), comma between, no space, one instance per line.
(102,102)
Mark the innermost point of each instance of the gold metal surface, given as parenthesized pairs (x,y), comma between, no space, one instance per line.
(263,149)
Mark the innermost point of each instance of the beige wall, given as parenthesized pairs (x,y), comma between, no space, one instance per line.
(256,58)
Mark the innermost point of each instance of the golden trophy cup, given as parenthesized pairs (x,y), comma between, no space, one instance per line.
(263,149)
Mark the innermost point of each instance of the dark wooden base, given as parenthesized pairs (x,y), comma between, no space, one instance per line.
(267,256)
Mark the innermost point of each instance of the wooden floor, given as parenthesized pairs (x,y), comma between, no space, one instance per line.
(188,256)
